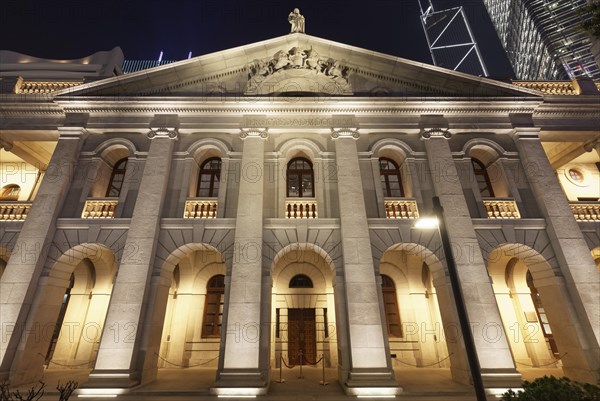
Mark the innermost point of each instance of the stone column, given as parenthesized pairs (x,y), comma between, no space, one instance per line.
(240,370)
(120,360)
(154,323)
(493,351)
(574,258)
(20,279)
(370,371)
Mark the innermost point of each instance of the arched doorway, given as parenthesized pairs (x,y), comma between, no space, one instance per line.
(81,315)
(523,315)
(191,334)
(2,266)
(68,312)
(596,256)
(4,256)
(538,316)
(303,307)
(410,304)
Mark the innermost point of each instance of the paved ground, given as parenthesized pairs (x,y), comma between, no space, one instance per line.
(422,384)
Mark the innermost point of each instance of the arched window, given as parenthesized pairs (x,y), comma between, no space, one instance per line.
(300,178)
(213,307)
(483,179)
(116,179)
(301,281)
(391,182)
(209,178)
(390,303)
(10,192)
(541,314)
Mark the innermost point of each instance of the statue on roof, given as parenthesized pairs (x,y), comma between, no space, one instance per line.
(297,21)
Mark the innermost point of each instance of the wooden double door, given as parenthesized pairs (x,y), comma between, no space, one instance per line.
(302,336)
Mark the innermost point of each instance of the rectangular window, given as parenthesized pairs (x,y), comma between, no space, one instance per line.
(213,315)
(391,314)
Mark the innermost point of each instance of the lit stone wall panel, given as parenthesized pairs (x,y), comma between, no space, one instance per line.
(482,310)
(117,351)
(20,279)
(581,279)
(366,338)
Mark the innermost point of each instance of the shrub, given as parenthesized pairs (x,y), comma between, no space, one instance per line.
(549,388)
(35,393)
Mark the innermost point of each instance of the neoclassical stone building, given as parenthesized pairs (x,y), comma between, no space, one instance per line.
(260,202)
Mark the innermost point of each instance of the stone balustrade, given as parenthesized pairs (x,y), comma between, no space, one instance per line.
(585,211)
(42,87)
(100,208)
(401,208)
(301,208)
(501,208)
(200,209)
(14,211)
(549,87)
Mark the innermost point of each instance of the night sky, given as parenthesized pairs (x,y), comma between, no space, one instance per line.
(74,29)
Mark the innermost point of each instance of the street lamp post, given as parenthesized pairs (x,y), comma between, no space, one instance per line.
(459,301)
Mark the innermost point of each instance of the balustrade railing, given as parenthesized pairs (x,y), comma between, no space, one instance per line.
(200,209)
(401,208)
(301,208)
(585,211)
(14,211)
(501,208)
(100,208)
(549,87)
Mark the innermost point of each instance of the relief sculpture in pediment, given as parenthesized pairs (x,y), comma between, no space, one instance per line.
(299,71)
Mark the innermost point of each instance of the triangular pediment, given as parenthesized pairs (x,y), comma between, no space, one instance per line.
(299,64)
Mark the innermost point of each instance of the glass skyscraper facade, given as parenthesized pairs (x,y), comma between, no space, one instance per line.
(543,39)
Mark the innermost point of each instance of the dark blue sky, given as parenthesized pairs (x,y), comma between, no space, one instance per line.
(76,28)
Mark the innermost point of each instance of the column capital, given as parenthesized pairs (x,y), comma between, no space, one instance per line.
(341,133)
(6,145)
(526,133)
(429,133)
(254,133)
(591,145)
(72,132)
(162,132)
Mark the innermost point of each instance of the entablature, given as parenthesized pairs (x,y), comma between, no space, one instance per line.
(130,113)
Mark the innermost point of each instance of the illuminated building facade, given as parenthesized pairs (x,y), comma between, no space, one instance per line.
(260,202)
(544,39)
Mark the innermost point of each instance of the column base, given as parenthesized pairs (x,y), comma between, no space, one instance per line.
(500,379)
(241,382)
(461,375)
(581,375)
(371,382)
(109,383)
(22,376)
